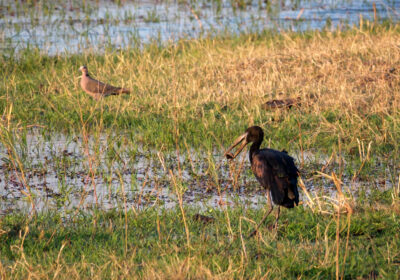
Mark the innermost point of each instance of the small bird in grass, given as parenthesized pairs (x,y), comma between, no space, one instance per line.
(281,103)
(97,89)
(274,170)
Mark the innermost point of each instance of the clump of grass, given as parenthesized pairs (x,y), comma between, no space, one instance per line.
(152,17)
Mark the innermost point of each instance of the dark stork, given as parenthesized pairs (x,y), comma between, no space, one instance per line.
(274,170)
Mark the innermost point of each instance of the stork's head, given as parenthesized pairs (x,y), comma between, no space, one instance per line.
(253,134)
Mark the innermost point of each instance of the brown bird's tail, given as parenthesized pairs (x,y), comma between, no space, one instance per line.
(125,90)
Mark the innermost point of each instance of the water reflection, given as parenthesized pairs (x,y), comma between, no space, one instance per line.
(68,26)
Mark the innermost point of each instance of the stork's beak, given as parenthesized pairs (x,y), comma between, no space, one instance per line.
(241,138)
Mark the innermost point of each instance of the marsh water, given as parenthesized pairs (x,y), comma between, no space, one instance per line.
(75,26)
(74,172)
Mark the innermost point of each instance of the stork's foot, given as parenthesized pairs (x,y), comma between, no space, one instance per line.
(253,233)
(270,228)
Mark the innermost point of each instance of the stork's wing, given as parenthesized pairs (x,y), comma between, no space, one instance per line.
(277,171)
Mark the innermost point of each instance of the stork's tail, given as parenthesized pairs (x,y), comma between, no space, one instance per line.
(286,193)
(292,196)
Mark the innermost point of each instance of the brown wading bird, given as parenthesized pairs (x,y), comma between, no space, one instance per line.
(97,89)
(274,170)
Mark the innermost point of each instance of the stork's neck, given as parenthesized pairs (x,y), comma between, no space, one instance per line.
(255,147)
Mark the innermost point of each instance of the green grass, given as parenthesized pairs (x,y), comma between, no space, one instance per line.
(153,244)
(209,89)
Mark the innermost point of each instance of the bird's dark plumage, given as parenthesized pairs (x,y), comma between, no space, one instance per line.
(274,170)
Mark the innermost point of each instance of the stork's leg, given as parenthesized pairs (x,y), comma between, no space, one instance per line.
(278,211)
(266,214)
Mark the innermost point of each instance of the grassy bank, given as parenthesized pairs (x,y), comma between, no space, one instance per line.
(204,91)
(158,244)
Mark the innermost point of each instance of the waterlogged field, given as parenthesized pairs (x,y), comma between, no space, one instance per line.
(112,189)
(74,26)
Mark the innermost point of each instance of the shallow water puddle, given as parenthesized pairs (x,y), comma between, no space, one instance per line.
(64,172)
